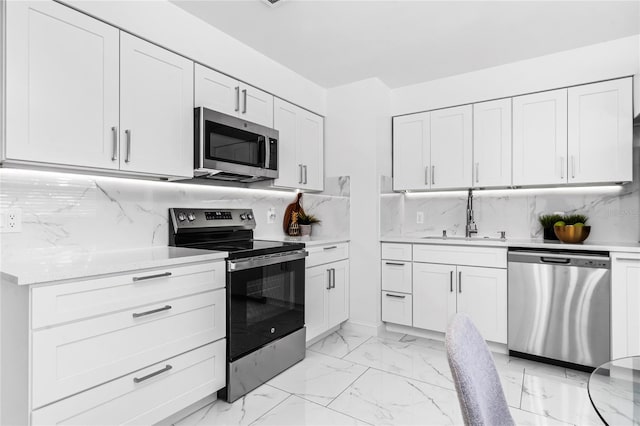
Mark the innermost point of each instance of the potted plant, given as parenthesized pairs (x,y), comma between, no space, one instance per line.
(305,221)
(547,221)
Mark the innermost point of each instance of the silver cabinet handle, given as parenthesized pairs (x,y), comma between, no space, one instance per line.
(305,173)
(573,167)
(153,311)
(477,172)
(433,175)
(561,167)
(397,296)
(237,108)
(114,154)
(300,170)
(330,248)
(244,101)
(451,281)
(394,263)
(459,281)
(148,277)
(328,279)
(128,157)
(426,175)
(155,373)
(333,277)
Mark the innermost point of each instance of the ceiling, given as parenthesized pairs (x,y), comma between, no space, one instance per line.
(405,42)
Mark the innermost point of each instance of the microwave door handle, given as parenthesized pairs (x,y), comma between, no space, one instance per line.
(263,153)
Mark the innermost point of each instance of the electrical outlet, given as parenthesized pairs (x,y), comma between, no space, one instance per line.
(420,217)
(11,220)
(271,215)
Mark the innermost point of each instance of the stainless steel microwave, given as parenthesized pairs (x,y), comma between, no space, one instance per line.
(232,149)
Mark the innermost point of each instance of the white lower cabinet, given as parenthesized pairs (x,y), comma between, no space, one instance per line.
(326,289)
(146,396)
(625,299)
(436,291)
(130,348)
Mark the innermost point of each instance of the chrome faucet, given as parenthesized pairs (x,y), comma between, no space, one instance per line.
(471,228)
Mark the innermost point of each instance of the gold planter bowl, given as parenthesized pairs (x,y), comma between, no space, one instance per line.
(572,234)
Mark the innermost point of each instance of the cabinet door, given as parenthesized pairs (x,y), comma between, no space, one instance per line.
(310,149)
(62,86)
(411,151)
(285,122)
(451,147)
(601,132)
(256,105)
(434,297)
(156,109)
(625,299)
(216,91)
(396,308)
(540,138)
(492,143)
(315,298)
(482,294)
(339,294)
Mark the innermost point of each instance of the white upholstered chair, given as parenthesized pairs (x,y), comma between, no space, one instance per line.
(480,393)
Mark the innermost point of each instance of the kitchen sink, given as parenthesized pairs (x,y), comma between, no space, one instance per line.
(457,237)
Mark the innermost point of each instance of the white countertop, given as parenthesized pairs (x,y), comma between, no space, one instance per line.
(310,241)
(59,264)
(511,242)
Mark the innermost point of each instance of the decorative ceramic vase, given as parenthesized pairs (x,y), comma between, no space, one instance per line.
(305,230)
(294,229)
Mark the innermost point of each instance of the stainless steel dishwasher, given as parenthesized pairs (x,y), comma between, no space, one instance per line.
(559,306)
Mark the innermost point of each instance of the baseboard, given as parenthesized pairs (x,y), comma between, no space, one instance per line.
(367,329)
(176,417)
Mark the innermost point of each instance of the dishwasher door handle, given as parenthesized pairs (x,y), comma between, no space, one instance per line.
(555,260)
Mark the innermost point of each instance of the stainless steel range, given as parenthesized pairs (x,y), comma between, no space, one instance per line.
(265,293)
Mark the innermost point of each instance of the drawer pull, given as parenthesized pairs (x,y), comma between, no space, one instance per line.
(330,248)
(397,296)
(155,373)
(394,263)
(148,277)
(153,311)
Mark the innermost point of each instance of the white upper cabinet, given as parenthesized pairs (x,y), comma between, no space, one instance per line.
(411,151)
(540,138)
(156,109)
(216,91)
(600,132)
(62,86)
(492,143)
(300,147)
(451,145)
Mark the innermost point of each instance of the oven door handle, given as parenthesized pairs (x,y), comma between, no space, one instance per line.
(260,261)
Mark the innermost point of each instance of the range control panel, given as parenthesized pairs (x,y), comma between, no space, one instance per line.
(212,218)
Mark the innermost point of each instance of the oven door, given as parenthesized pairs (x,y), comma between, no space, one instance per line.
(265,300)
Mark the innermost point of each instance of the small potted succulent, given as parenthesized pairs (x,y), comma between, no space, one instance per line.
(305,221)
(547,221)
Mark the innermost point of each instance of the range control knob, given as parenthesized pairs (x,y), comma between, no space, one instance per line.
(182,217)
(249,216)
(191,217)
(243,216)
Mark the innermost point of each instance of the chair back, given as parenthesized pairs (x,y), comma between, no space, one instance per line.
(480,393)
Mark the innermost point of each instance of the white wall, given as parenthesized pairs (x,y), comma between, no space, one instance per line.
(166,24)
(358,140)
(601,61)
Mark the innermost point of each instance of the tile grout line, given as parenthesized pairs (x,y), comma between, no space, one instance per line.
(348,386)
(272,408)
(362,343)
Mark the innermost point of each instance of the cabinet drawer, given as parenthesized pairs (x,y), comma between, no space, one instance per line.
(393,251)
(396,276)
(73,357)
(397,308)
(326,254)
(193,376)
(56,304)
(490,257)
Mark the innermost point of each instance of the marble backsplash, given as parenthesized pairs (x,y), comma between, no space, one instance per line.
(89,213)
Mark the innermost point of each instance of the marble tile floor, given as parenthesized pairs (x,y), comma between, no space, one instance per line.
(396,379)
